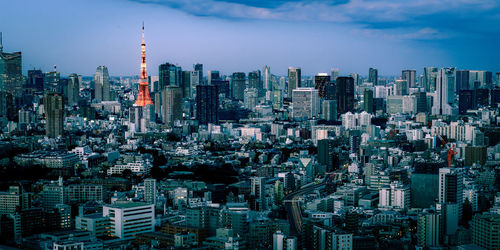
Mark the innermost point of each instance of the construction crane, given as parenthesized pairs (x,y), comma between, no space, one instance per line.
(451,148)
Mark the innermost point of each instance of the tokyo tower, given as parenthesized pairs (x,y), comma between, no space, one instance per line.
(143,97)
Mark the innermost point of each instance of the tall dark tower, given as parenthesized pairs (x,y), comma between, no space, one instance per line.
(207,104)
(345,94)
(54,113)
(143,97)
(373,76)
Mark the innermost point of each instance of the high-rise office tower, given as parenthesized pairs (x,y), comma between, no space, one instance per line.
(321,81)
(35,79)
(462,80)
(171,109)
(401,87)
(444,98)
(345,94)
(335,74)
(465,101)
(150,191)
(195,81)
(410,76)
(326,153)
(430,79)
(143,97)
(169,75)
(373,76)
(451,186)
(368,101)
(329,110)
(498,78)
(277,93)
(294,78)
(101,81)
(305,104)
(238,85)
(73,89)
(213,75)
(199,68)
(255,82)
(222,86)
(266,78)
(251,98)
(7,105)
(207,104)
(421,102)
(11,75)
(480,78)
(54,114)
(186,84)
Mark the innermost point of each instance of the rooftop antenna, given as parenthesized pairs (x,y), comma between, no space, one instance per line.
(1,43)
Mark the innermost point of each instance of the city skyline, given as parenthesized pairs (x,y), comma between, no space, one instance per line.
(237,36)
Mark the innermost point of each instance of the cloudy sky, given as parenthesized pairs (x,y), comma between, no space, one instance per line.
(238,35)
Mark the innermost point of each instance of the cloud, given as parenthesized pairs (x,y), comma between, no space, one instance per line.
(400,19)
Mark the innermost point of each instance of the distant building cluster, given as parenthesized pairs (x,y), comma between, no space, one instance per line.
(195,159)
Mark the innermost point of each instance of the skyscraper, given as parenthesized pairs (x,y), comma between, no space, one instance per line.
(143,97)
(321,81)
(171,109)
(199,68)
(213,75)
(444,98)
(305,104)
(345,94)
(451,188)
(251,98)
(329,110)
(462,80)
(186,84)
(368,101)
(207,104)
(401,87)
(373,76)
(409,75)
(255,82)
(430,79)
(266,77)
(195,81)
(54,114)
(101,81)
(11,75)
(238,85)
(335,74)
(73,89)
(294,78)
(35,79)
(169,75)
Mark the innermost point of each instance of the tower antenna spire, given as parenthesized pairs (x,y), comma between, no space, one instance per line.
(143,97)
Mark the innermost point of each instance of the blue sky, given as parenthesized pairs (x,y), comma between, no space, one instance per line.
(237,35)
